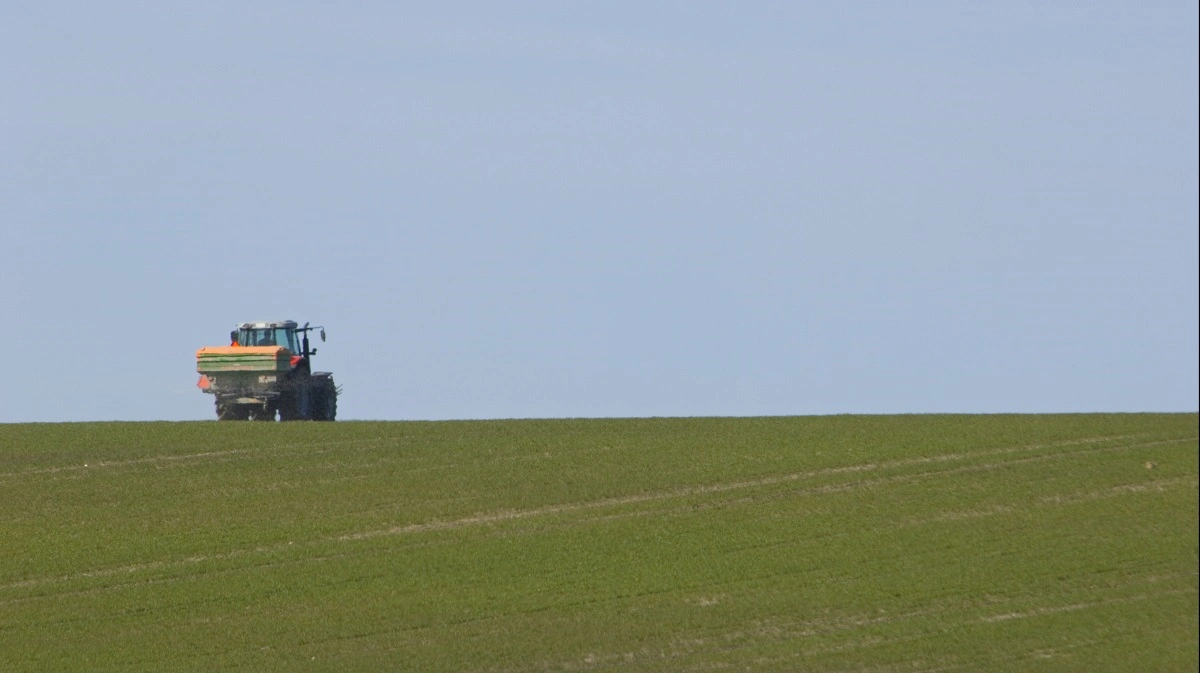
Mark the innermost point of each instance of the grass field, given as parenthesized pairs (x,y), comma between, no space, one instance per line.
(841,543)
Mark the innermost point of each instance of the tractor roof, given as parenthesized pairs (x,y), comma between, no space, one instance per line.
(269,324)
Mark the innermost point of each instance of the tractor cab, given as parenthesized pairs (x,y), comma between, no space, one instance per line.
(278,333)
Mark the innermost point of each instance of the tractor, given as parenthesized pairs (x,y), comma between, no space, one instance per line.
(265,372)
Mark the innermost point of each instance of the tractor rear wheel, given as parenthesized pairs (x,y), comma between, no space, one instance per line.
(324,398)
(289,407)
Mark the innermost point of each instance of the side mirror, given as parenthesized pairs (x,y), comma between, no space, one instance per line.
(322,334)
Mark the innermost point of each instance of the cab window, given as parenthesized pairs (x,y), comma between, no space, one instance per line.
(286,338)
(257,337)
(279,336)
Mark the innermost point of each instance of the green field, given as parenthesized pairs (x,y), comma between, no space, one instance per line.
(838,543)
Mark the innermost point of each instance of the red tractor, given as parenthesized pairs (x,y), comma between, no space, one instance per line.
(265,372)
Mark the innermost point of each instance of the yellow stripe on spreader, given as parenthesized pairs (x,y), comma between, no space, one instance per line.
(240,350)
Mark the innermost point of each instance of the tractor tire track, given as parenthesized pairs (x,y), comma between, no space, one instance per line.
(511,515)
(504,516)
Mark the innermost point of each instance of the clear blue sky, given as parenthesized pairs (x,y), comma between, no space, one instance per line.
(547,209)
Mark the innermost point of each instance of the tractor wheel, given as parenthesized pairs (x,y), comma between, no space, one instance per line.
(288,408)
(331,402)
(324,403)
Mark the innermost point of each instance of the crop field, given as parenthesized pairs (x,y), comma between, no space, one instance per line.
(834,543)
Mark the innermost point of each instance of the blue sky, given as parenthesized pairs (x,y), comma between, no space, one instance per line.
(547,209)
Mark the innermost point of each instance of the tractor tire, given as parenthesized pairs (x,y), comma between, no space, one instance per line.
(289,408)
(298,404)
(331,403)
(324,397)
